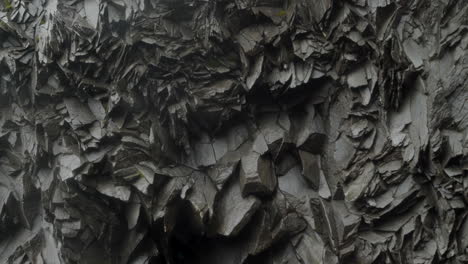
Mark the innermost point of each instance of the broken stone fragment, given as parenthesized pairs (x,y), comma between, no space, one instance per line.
(220,174)
(357,78)
(274,128)
(261,235)
(357,186)
(233,211)
(360,129)
(107,187)
(79,113)
(68,163)
(343,152)
(311,168)
(257,175)
(294,183)
(290,225)
(310,135)
(202,196)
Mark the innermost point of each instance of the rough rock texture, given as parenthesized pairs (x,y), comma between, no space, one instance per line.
(245,131)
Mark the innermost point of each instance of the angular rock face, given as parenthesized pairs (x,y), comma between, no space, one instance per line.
(246,131)
(233,211)
(257,175)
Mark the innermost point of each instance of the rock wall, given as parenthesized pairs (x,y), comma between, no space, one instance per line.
(246,131)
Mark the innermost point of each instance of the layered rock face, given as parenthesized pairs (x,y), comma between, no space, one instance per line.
(246,131)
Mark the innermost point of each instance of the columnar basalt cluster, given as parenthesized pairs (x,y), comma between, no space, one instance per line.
(244,131)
